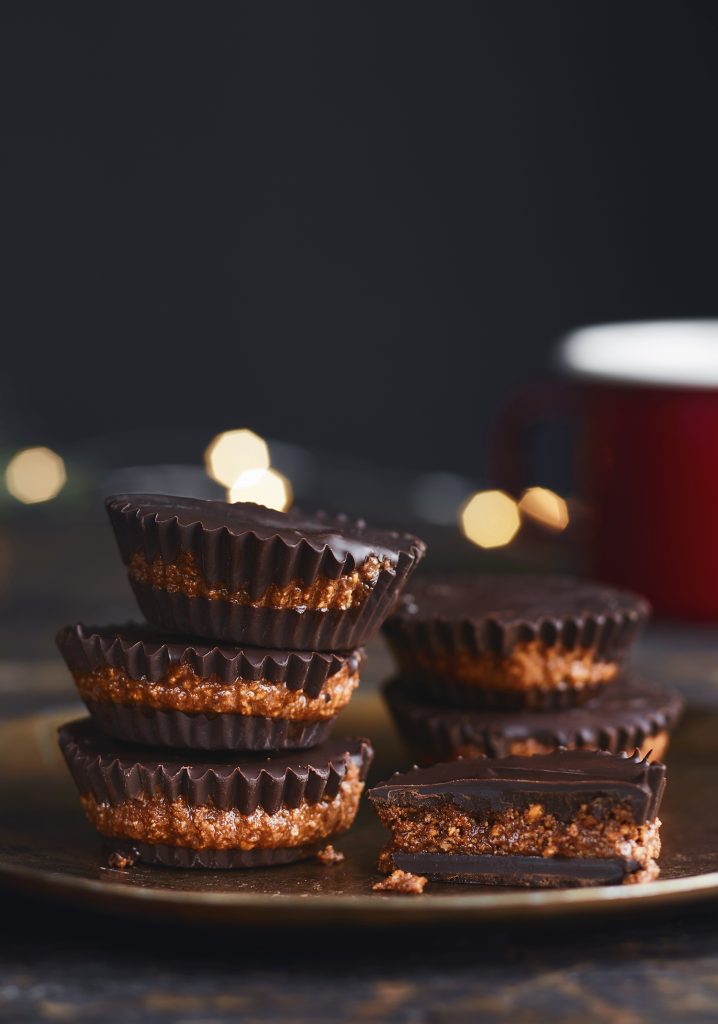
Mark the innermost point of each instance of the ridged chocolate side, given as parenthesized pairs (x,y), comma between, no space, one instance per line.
(144,654)
(629,712)
(492,615)
(267,627)
(250,547)
(114,772)
(214,860)
(165,727)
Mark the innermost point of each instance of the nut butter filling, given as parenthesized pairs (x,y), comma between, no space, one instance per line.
(528,665)
(323,594)
(183,690)
(152,819)
(596,831)
(656,746)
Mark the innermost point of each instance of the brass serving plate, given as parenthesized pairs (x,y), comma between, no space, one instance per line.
(48,850)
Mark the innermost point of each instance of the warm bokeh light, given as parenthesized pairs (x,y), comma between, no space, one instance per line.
(546,507)
(35,474)
(263,486)
(233,453)
(490,519)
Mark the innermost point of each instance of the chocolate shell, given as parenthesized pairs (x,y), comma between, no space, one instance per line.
(622,718)
(248,547)
(492,614)
(142,653)
(114,772)
(478,616)
(165,727)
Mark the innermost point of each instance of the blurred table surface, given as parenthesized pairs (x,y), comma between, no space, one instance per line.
(57,964)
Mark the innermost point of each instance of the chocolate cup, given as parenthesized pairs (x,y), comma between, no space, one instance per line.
(165,727)
(621,718)
(143,653)
(115,772)
(183,857)
(475,617)
(283,629)
(246,547)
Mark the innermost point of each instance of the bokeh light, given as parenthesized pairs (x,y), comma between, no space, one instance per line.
(490,519)
(264,487)
(35,474)
(233,453)
(546,507)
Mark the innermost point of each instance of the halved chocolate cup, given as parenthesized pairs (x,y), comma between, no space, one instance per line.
(510,642)
(143,687)
(219,811)
(245,574)
(632,714)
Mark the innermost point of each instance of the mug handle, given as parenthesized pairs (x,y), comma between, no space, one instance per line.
(541,402)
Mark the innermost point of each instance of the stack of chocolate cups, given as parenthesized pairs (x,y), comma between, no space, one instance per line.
(208,742)
(514,665)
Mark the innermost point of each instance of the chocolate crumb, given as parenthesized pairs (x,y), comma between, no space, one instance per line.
(121,861)
(329,856)
(403,882)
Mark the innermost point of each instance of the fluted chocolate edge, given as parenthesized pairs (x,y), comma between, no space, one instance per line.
(115,773)
(167,727)
(88,648)
(622,720)
(245,560)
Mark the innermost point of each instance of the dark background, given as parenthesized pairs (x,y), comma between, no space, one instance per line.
(358,226)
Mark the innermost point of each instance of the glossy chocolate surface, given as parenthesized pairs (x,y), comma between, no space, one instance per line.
(338,536)
(560,781)
(511,870)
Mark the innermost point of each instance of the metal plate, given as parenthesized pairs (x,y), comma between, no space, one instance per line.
(47,848)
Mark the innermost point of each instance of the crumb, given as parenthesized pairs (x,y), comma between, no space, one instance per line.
(402,881)
(123,860)
(330,856)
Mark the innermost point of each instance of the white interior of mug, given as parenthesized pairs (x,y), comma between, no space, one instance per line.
(657,352)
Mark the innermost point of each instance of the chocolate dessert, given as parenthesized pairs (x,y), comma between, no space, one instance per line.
(166,691)
(218,811)
(570,818)
(632,714)
(244,574)
(513,641)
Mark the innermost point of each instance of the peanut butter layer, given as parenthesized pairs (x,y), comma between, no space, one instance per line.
(185,577)
(153,819)
(656,746)
(529,665)
(184,690)
(597,831)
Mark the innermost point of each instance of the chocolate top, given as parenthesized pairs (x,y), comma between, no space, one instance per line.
(561,781)
(115,772)
(339,536)
(515,599)
(145,654)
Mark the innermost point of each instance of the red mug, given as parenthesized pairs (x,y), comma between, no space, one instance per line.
(644,398)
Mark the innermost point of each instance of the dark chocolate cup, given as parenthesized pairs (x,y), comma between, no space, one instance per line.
(116,773)
(331,630)
(621,718)
(247,548)
(163,727)
(143,655)
(490,616)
